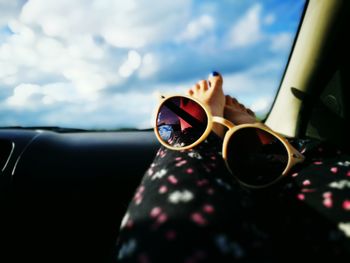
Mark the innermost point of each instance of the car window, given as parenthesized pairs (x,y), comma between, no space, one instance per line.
(100,64)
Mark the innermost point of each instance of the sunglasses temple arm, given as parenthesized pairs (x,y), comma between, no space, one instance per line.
(298,157)
(223,121)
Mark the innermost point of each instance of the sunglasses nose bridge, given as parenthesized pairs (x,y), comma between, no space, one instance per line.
(223,122)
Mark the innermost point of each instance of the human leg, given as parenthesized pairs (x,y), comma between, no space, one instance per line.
(188,208)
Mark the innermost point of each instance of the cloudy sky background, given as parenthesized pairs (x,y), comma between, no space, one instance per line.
(100,63)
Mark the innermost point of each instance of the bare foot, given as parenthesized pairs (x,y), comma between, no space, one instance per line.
(211,93)
(237,113)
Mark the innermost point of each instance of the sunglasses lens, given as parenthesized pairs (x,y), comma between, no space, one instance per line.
(181,121)
(256,157)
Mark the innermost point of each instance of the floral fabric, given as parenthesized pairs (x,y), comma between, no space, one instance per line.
(189,208)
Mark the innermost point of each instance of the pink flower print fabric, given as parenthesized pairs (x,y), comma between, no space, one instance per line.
(189,208)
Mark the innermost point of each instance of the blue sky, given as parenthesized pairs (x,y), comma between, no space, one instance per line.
(100,63)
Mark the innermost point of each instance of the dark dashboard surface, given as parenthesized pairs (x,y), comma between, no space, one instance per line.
(64,194)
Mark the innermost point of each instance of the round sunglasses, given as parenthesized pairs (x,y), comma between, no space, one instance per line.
(253,153)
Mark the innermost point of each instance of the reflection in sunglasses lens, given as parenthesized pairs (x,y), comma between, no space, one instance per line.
(181,121)
(256,157)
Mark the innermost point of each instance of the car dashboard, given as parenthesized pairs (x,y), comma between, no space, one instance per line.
(64,194)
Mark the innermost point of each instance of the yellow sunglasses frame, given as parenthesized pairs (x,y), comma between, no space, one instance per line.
(294,156)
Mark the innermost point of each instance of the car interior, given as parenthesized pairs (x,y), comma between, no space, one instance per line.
(312,100)
(63,192)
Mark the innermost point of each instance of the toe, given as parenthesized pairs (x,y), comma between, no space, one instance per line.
(215,80)
(235,101)
(250,112)
(203,85)
(195,89)
(228,100)
(189,92)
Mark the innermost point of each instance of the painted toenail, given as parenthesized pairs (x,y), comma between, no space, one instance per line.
(214,74)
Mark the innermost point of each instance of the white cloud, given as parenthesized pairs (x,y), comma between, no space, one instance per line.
(52,60)
(261,104)
(32,96)
(53,41)
(25,95)
(132,63)
(129,24)
(69,62)
(247,30)
(31,57)
(281,41)
(131,109)
(269,19)
(150,65)
(55,104)
(9,10)
(197,28)
(256,78)
(255,87)
(7,70)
